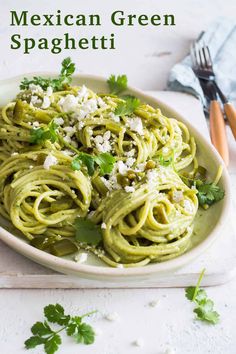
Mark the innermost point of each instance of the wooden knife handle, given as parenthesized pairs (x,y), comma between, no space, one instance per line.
(217,131)
(230,112)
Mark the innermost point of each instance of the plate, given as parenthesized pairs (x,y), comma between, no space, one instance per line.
(208,224)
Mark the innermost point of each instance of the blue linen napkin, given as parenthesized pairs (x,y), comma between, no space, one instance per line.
(221,39)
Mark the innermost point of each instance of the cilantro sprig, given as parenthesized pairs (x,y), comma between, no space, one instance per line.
(45,334)
(104,161)
(117,84)
(39,135)
(87,231)
(205,307)
(127,106)
(68,68)
(209,193)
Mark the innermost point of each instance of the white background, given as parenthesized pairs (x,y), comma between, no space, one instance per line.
(146,55)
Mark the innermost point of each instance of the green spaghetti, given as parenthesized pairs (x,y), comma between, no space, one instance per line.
(71,156)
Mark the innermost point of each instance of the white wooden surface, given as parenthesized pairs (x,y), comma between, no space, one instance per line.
(18,272)
(145,55)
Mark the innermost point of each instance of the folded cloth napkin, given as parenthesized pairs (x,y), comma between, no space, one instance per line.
(221,39)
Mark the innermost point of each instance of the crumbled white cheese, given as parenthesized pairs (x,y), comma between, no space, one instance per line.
(136,125)
(177,196)
(138,342)
(102,142)
(103,226)
(36,89)
(67,152)
(49,161)
(35,124)
(81,125)
(165,150)
(70,131)
(86,108)
(83,93)
(81,257)
(130,153)
(113,316)
(34,100)
(59,121)
(170,351)
(101,103)
(152,176)
(114,117)
(153,303)
(46,102)
(130,161)
(188,206)
(49,91)
(15,153)
(122,167)
(68,103)
(111,183)
(129,189)
(31,166)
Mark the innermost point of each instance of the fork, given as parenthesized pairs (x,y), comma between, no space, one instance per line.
(202,68)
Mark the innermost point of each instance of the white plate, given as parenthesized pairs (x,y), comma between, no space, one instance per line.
(208,225)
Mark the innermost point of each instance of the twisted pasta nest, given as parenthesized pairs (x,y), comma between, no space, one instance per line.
(146,210)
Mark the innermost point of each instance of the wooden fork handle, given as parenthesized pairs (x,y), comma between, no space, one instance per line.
(230,112)
(217,131)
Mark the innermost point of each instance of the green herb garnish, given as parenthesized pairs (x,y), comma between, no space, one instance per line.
(117,84)
(205,307)
(74,326)
(165,162)
(39,135)
(87,231)
(208,193)
(58,84)
(105,161)
(127,107)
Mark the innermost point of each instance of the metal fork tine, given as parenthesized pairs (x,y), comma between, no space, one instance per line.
(193,55)
(205,54)
(209,56)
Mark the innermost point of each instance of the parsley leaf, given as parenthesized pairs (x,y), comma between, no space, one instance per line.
(74,326)
(87,231)
(205,307)
(105,161)
(39,135)
(117,84)
(127,107)
(209,193)
(58,84)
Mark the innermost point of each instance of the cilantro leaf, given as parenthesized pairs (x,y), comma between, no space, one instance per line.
(44,334)
(85,159)
(164,162)
(58,84)
(33,341)
(209,193)
(55,314)
(106,163)
(52,344)
(205,307)
(117,84)
(41,329)
(127,107)
(39,135)
(85,334)
(87,231)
